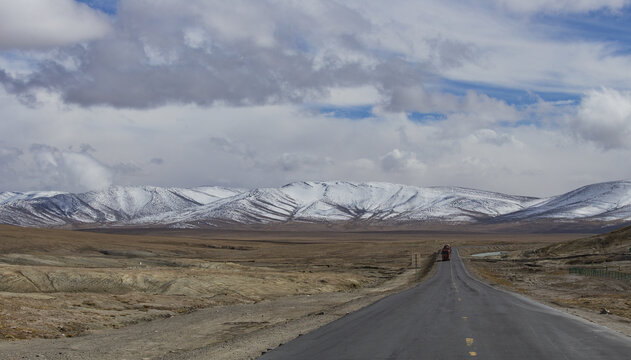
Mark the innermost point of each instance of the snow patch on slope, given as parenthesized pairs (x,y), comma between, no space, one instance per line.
(313,202)
(118,204)
(604,201)
(345,201)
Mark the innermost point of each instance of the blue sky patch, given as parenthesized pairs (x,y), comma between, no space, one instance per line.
(596,26)
(510,96)
(421,117)
(106,6)
(347,112)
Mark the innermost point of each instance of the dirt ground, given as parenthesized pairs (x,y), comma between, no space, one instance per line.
(67,283)
(196,294)
(542,272)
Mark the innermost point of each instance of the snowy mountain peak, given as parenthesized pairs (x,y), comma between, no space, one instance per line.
(14,196)
(309,201)
(608,201)
(115,205)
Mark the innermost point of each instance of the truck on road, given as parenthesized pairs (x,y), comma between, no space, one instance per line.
(446,252)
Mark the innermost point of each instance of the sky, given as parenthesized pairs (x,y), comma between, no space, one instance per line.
(520,97)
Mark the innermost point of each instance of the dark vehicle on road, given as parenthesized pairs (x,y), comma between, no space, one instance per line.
(446,252)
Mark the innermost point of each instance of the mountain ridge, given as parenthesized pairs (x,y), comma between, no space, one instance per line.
(375,203)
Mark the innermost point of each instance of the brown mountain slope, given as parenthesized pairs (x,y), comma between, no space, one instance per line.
(614,243)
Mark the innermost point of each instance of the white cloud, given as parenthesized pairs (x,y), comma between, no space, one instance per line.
(489,136)
(250,146)
(416,98)
(255,23)
(213,52)
(296,161)
(528,55)
(604,117)
(214,92)
(561,6)
(87,172)
(350,96)
(261,52)
(363,164)
(196,37)
(8,157)
(44,23)
(462,115)
(401,161)
(77,171)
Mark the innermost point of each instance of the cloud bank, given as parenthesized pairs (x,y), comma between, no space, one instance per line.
(261,93)
(274,52)
(604,117)
(212,52)
(561,6)
(32,24)
(69,169)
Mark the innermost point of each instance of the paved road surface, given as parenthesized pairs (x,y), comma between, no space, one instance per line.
(453,316)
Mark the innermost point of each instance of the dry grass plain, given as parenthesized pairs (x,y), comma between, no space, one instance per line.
(58,283)
(62,284)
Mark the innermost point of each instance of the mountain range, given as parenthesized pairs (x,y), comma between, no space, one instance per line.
(334,202)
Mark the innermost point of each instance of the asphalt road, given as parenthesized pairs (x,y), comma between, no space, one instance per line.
(453,316)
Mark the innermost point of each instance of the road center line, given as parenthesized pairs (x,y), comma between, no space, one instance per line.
(470,343)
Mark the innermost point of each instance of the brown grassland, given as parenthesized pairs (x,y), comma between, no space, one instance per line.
(543,273)
(61,283)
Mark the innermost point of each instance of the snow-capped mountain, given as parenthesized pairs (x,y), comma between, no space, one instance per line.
(309,202)
(363,202)
(115,205)
(610,201)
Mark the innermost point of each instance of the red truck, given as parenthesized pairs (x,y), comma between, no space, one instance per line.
(446,252)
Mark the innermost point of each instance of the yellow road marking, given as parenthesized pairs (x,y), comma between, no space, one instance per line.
(459,299)
(464,318)
(473,353)
(469,341)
